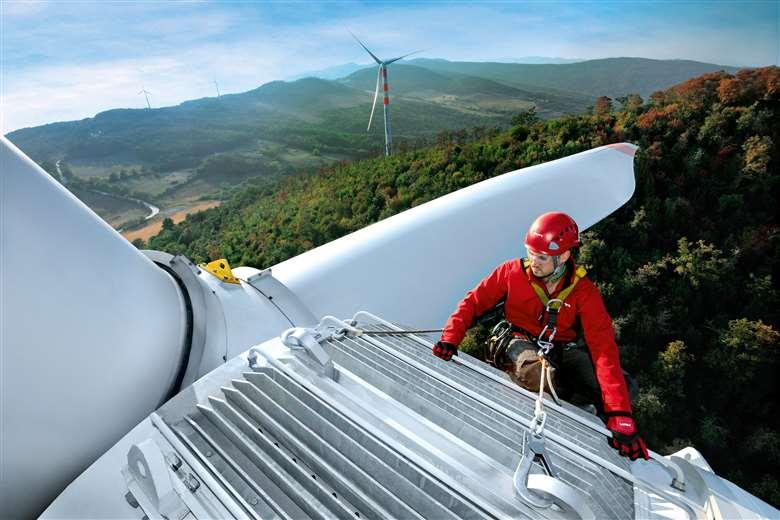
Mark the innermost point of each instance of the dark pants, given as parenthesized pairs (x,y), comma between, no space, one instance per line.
(578,383)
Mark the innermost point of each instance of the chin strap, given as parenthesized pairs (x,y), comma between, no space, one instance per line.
(559,271)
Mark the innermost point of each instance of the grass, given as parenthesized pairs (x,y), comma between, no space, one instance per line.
(94,171)
(111,209)
(156,185)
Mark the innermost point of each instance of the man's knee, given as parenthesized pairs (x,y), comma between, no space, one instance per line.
(578,377)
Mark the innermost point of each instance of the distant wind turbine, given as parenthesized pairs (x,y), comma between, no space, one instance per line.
(217,85)
(146,94)
(382,77)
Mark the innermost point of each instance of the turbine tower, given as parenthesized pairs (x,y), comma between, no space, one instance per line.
(382,77)
(146,94)
(217,85)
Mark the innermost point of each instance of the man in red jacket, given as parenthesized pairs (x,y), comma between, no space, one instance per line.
(527,288)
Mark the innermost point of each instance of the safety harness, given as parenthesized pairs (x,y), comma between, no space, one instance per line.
(552,306)
(501,335)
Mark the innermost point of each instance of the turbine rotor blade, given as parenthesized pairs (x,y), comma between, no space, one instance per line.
(376,95)
(388,62)
(366,48)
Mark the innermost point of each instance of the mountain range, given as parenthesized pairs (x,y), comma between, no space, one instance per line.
(177,157)
(427,96)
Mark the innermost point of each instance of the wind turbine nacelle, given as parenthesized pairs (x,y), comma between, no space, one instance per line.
(105,333)
(96,334)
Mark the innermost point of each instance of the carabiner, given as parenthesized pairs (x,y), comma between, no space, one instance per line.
(545,345)
(533,450)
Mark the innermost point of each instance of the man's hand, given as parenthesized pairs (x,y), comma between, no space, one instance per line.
(444,350)
(626,438)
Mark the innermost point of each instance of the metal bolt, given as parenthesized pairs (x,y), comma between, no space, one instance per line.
(253,501)
(174,461)
(209,453)
(131,499)
(192,483)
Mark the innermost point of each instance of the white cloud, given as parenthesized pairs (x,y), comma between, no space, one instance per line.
(23,8)
(74,61)
(65,92)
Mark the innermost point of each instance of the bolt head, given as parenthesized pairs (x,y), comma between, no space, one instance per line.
(131,499)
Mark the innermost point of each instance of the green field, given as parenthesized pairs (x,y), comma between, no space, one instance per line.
(88,171)
(113,210)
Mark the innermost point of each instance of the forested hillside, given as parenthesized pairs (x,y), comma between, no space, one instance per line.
(688,267)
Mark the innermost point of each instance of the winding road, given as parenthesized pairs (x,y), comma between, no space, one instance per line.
(153,210)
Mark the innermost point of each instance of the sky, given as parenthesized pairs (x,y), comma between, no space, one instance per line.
(65,60)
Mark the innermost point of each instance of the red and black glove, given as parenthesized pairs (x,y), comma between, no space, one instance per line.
(444,350)
(625,437)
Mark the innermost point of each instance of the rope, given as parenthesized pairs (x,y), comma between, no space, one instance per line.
(550,385)
(540,416)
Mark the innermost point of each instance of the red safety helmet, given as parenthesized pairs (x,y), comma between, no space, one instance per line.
(552,233)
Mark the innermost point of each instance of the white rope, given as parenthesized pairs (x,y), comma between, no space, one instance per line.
(550,384)
(540,416)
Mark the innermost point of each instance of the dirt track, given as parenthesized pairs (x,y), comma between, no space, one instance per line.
(155,226)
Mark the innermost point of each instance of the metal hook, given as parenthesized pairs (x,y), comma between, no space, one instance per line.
(533,449)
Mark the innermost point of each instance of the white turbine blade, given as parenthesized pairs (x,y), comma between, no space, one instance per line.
(138,332)
(366,48)
(388,62)
(413,245)
(376,95)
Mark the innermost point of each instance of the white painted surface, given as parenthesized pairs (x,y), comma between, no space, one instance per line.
(91,335)
(239,317)
(99,492)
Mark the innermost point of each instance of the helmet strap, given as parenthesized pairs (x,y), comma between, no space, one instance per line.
(559,271)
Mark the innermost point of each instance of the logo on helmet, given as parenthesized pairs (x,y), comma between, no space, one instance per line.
(553,246)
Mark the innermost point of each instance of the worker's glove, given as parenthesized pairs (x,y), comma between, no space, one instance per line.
(625,437)
(444,350)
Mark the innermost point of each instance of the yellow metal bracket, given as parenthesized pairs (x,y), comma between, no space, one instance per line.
(221,269)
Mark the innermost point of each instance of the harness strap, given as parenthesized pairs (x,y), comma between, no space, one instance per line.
(552,306)
(540,292)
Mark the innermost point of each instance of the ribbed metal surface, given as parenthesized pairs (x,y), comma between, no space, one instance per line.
(385,440)
(487,429)
(268,436)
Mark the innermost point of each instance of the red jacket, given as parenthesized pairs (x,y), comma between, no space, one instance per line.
(523,308)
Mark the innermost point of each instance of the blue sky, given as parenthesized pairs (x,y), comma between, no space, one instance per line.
(64,60)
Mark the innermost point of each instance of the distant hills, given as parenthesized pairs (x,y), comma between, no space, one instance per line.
(611,77)
(345,69)
(175,156)
(427,96)
(335,72)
